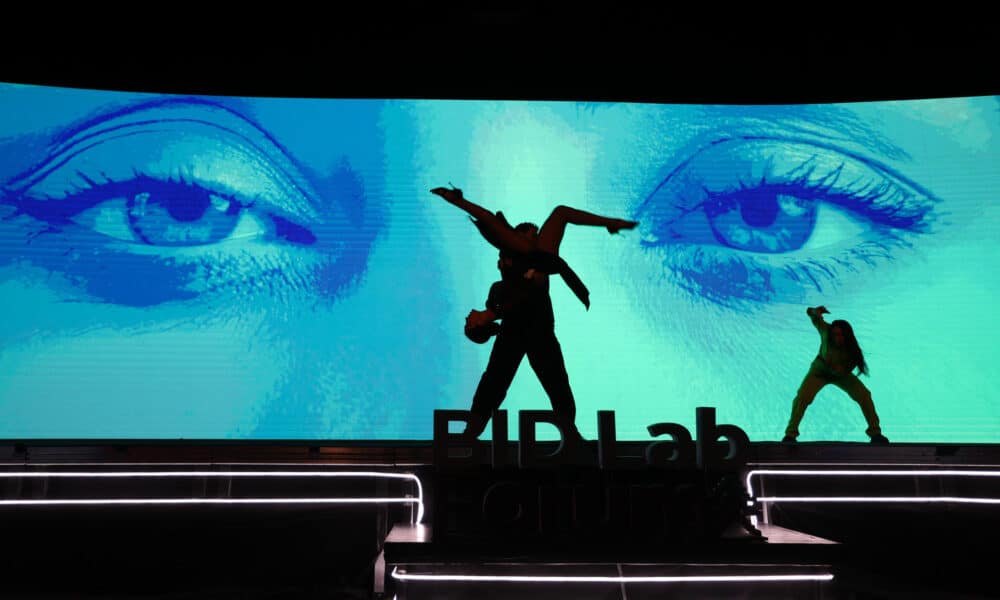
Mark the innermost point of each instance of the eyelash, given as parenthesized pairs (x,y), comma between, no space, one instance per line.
(62,211)
(875,200)
(829,269)
(211,269)
(95,193)
(871,204)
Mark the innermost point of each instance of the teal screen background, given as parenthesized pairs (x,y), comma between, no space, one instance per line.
(179,267)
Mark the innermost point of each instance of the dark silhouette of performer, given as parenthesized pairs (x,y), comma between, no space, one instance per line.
(839,354)
(520,300)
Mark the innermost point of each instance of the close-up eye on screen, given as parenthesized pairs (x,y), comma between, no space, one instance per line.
(204,268)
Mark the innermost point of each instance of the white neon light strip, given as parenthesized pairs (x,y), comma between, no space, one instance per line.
(775,464)
(886,499)
(872,473)
(620,579)
(419,500)
(16,474)
(209,501)
(312,463)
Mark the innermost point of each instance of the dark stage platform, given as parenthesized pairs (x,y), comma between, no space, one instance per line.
(286,519)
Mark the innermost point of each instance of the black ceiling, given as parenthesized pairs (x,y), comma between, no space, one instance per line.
(535,51)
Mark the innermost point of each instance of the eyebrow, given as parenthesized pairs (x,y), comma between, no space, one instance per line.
(114,110)
(831,122)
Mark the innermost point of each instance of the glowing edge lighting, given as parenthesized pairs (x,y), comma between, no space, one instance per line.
(886,499)
(419,500)
(621,579)
(161,463)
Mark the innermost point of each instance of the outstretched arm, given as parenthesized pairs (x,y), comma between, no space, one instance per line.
(551,234)
(496,230)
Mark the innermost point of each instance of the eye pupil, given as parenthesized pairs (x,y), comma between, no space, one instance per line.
(759,208)
(186,206)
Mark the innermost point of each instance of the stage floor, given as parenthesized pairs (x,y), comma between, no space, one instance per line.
(884,521)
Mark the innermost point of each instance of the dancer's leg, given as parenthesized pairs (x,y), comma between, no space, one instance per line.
(546,359)
(551,234)
(508,350)
(496,230)
(863,396)
(811,385)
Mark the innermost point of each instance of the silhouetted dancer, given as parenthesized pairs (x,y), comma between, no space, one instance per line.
(520,300)
(839,354)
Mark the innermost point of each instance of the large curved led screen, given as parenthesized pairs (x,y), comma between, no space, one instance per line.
(262,268)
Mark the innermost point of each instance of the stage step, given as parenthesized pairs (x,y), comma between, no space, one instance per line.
(789,564)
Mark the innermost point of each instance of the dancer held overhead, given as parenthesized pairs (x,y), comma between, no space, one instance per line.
(536,247)
(521,302)
(839,355)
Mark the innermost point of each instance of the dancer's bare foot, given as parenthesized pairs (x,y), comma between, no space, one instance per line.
(620,224)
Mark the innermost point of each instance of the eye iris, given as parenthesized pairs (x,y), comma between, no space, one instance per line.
(181,216)
(761,220)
